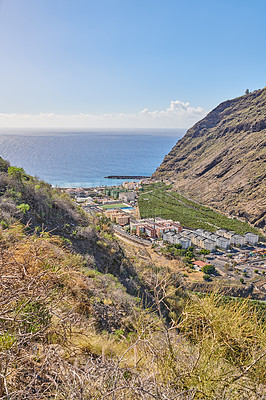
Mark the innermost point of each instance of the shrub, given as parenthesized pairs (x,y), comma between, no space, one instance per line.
(17,173)
(24,207)
(208,269)
(35,317)
(204,251)
(4,165)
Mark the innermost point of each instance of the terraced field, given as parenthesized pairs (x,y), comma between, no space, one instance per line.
(158,200)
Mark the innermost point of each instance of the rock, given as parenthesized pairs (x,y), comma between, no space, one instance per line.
(221,161)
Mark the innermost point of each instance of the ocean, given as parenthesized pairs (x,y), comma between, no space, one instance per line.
(84,159)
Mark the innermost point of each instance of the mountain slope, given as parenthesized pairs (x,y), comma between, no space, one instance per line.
(221,161)
(71,326)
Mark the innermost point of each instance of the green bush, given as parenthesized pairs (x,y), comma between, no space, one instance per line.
(24,207)
(4,165)
(208,269)
(204,251)
(35,317)
(17,173)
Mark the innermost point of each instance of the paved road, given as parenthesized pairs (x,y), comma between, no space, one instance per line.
(130,237)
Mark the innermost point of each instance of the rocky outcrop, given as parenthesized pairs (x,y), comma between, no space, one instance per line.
(221,161)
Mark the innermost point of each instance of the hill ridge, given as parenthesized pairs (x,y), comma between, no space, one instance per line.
(221,160)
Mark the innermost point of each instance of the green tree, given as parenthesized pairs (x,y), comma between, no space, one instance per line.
(189,255)
(208,269)
(204,251)
(247,91)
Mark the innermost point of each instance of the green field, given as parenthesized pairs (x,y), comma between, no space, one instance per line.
(109,206)
(157,200)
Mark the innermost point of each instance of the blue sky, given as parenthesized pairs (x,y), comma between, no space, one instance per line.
(125,63)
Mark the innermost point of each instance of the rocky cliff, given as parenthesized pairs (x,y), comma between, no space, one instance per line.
(221,160)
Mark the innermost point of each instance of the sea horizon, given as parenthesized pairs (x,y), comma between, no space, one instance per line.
(83,158)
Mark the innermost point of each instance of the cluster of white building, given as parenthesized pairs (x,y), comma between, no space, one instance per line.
(177,238)
(247,238)
(209,240)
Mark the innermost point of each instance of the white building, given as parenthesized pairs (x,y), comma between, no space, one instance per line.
(208,235)
(176,238)
(229,234)
(185,242)
(214,237)
(127,196)
(237,240)
(169,237)
(186,232)
(222,242)
(209,244)
(221,232)
(251,238)
(199,232)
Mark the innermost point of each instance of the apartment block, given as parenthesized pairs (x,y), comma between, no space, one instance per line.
(251,238)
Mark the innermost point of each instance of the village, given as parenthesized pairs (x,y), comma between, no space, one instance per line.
(225,250)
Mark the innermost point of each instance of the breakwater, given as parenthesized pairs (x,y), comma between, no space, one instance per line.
(126,177)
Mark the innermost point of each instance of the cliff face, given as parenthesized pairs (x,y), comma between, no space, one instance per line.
(221,161)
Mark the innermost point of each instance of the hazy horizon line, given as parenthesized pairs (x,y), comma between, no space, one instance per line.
(50,130)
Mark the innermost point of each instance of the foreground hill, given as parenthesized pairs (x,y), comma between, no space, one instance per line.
(82,319)
(221,161)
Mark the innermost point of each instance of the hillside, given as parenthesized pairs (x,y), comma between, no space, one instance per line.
(221,160)
(83,317)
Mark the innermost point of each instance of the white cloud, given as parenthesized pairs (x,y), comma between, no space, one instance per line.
(177,115)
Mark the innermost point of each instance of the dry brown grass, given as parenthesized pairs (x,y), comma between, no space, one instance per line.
(51,346)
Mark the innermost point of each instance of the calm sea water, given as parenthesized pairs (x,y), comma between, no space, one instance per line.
(74,159)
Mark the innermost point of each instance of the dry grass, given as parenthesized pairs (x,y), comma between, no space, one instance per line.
(51,346)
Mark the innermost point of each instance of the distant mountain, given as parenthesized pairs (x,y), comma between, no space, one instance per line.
(221,160)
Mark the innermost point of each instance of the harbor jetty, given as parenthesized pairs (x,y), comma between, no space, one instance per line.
(126,177)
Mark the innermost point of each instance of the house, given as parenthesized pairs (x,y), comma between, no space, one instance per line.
(199,264)
(176,226)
